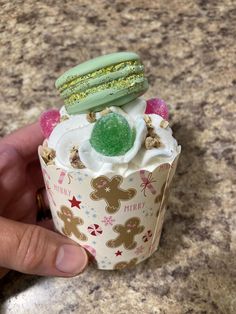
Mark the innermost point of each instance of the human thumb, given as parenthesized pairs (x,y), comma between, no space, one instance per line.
(32,249)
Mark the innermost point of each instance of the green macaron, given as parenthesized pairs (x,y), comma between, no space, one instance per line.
(110,80)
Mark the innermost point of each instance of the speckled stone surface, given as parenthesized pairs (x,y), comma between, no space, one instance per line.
(188,48)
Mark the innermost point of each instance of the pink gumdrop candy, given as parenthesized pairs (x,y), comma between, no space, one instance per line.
(157,106)
(48,120)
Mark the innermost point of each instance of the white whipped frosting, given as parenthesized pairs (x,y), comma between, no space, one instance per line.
(76,131)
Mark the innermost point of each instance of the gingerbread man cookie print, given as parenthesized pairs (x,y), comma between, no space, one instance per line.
(110,191)
(70,223)
(123,265)
(127,233)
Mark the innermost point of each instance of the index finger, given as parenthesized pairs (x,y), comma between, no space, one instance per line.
(26,140)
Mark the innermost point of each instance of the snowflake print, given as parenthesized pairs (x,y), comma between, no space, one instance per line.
(82,207)
(108,221)
(148,212)
(139,250)
(80,179)
(90,212)
(105,262)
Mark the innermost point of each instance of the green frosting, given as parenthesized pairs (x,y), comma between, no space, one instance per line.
(113,79)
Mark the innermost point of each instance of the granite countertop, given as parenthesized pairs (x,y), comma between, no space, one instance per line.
(188,48)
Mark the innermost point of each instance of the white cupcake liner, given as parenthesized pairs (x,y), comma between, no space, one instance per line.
(118,220)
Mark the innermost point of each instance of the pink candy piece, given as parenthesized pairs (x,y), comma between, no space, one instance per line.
(157,106)
(48,120)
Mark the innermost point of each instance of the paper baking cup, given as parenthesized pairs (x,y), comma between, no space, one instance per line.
(117,220)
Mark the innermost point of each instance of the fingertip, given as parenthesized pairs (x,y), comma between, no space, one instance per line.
(71,260)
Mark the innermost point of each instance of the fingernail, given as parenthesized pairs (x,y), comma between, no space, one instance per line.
(71,259)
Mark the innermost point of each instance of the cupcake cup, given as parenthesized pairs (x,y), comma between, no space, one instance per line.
(118,220)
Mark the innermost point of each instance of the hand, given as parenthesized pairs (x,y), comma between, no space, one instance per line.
(24,245)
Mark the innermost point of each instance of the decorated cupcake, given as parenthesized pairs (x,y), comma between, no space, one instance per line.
(108,160)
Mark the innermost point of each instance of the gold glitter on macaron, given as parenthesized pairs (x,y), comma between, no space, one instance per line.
(100,72)
(121,83)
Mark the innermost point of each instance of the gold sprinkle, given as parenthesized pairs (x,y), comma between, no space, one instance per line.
(75,159)
(48,155)
(151,132)
(164,124)
(148,121)
(151,142)
(91,117)
(64,118)
(105,111)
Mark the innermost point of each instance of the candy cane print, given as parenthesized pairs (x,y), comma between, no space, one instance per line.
(61,177)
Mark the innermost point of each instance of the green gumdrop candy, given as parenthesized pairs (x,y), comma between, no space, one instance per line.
(112,135)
